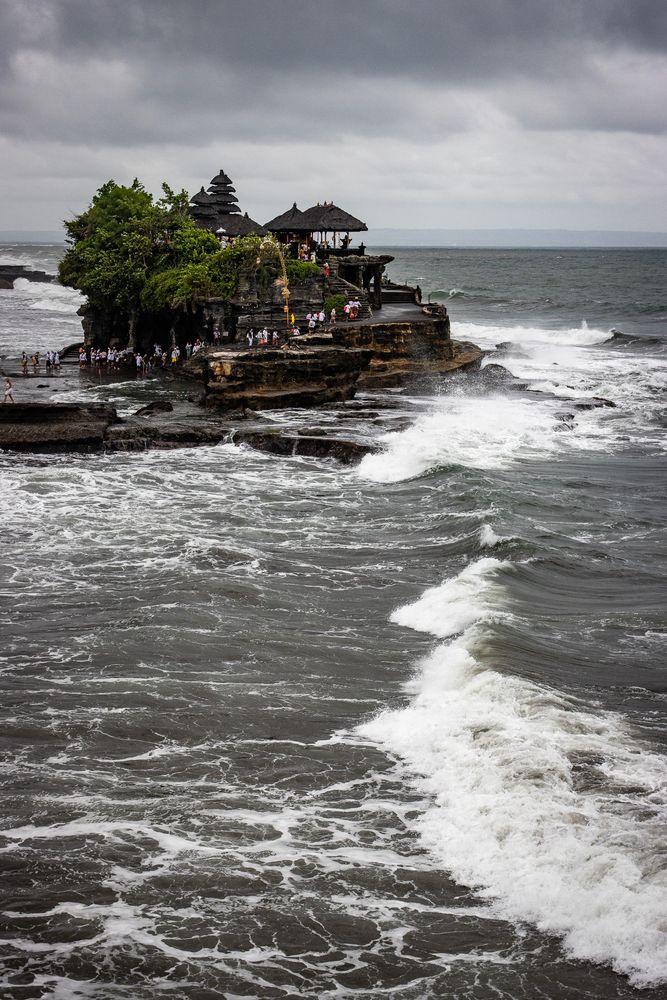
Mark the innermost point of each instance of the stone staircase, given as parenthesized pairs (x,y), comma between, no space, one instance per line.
(335,285)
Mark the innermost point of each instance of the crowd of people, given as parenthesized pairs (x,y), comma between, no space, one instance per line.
(111,359)
(51,362)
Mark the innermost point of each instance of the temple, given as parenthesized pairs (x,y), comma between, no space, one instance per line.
(320,233)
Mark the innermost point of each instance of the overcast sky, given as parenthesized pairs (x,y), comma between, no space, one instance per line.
(407,113)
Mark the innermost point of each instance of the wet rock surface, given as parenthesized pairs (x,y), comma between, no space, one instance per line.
(55,426)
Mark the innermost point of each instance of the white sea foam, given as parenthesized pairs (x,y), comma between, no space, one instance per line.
(488,538)
(479,432)
(562,362)
(497,755)
(454,605)
(48,296)
(489,336)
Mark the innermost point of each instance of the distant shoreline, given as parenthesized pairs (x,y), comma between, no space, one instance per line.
(453,239)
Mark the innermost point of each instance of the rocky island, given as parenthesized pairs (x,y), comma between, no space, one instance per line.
(260,317)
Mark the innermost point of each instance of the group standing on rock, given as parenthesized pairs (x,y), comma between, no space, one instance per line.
(51,362)
(111,359)
(262,338)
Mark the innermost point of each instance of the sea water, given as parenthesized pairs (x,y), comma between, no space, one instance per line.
(277,728)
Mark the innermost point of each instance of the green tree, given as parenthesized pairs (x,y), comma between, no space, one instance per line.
(130,254)
(122,239)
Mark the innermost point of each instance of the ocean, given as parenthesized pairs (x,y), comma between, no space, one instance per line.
(278,728)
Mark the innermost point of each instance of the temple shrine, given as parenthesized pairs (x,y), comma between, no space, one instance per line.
(320,233)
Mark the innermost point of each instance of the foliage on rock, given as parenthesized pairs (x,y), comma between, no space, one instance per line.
(336,302)
(301,270)
(122,238)
(129,254)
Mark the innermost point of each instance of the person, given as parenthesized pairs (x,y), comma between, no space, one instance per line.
(35,363)
(321,316)
(9,391)
(274,337)
(311,324)
(56,360)
(24,364)
(327,269)
(332,316)
(188,350)
(216,335)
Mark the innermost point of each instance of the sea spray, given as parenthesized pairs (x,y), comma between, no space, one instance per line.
(481,432)
(501,759)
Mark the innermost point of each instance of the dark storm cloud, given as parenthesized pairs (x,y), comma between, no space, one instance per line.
(406,89)
(146,72)
(333,45)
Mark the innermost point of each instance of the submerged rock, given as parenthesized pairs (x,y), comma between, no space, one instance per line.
(595,403)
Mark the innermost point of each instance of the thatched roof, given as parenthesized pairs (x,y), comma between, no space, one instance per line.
(291,221)
(223,198)
(222,178)
(240,225)
(201,198)
(332,219)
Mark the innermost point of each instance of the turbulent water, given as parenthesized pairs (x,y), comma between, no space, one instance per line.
(277,728)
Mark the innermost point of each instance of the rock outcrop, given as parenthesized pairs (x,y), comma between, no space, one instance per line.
(77,427)
(10,272)
(329,365)
(54,427)
(273,378)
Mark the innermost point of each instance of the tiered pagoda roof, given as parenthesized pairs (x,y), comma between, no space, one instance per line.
(217,209)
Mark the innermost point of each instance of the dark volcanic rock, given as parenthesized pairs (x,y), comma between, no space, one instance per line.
(138,435)
(269,379)
(279,443)
(596,403)
(55,426)
(493,374)
(157,406)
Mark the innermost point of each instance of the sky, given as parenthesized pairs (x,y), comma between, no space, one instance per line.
(471,114)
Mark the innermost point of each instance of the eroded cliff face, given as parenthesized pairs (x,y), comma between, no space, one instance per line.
(270,379)
(331,364)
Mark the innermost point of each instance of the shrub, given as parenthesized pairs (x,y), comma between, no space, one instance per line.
(336,302)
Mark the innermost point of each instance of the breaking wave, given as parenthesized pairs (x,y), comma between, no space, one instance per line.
(553,811)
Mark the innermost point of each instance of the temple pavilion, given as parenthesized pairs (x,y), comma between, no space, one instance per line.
(321,233)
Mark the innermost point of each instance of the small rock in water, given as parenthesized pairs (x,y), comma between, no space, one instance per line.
(157,406)
(596,403)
